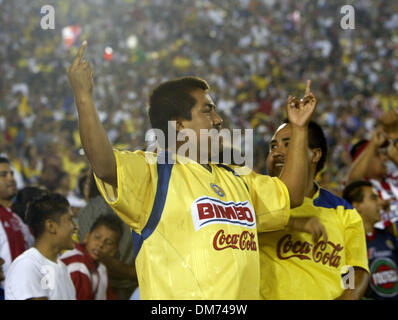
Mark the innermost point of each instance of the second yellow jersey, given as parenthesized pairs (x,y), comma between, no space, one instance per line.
(195,231)
(293,267)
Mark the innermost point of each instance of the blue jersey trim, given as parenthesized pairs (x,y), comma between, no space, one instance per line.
(222,202)
(164,173)
(328,200)
(220,165)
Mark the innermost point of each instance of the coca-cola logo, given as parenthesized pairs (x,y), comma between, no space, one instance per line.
(242,241)
(303,250)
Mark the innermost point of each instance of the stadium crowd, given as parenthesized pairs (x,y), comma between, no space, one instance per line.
(253,53)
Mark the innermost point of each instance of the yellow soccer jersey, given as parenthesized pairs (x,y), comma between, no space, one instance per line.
(194,231)
(293,267)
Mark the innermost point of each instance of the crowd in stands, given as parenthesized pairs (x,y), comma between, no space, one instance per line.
(251,52)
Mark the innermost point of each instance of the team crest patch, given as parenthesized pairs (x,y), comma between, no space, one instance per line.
(206,211)
(384,277)
(218,190)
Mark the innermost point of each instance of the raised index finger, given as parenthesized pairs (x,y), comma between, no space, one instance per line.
(308,88)
(79,54)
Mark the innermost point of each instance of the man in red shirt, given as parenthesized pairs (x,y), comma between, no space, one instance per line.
(15,236)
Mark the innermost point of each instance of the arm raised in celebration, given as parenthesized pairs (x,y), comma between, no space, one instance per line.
(96,144)
(295,171)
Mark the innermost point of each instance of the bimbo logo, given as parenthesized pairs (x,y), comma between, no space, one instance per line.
(206,211)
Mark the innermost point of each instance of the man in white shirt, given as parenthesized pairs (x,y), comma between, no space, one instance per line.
(38,274)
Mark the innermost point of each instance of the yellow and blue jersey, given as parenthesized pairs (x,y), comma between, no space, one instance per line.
(195,230)
(293,267)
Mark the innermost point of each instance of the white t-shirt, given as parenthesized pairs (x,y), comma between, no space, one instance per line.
(32,275)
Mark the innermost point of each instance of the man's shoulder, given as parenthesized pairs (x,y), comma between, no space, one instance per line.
(329,200)
(31,259)
(385,233)
(137,158)
(135,153)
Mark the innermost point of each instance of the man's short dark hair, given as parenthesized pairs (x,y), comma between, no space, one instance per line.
(48,206)
(316,139)
(111,221)
(172,100)
(4,160)
(24,196)
(353,192)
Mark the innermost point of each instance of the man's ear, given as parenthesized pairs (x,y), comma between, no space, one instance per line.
(316,155)
(356,206)
(179,125)
(50,226)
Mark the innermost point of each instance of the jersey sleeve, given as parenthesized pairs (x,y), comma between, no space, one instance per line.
(133,198)
(24,281)
(271,201)
(355,240)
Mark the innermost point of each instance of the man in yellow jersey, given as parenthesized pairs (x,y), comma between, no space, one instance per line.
(294,266)
(194,224)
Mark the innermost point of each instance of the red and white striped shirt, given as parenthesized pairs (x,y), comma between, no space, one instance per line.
(387,189)
(15,237)
(90,278)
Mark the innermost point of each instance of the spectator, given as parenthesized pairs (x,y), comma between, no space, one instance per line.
(89,275)
(32,165)
(63,186)
(49,177)
(15,236)
(294,266)
(38,273)
(370,163)
(122,275)
(381,244)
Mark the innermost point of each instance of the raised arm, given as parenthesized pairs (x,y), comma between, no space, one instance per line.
(96,144)
(360,167)
(389,121)
(295,171)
